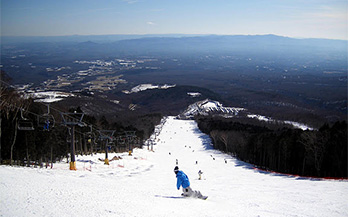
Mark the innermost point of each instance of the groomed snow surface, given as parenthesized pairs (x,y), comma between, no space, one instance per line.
(145,185)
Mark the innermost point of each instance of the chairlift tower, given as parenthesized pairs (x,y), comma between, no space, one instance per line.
(108,136)
(130,135)
(72,120)
(121,141)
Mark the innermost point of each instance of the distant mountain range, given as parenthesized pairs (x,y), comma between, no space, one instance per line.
(83,38)
(237,43)
(185,44)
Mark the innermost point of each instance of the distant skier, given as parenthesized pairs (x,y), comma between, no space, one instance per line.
(200,175)
(183,180)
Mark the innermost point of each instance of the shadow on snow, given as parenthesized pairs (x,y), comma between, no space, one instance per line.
(171,197)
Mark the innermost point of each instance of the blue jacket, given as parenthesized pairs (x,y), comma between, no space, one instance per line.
(182,180)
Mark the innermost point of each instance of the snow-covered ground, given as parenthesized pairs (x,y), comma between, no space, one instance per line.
(207,106)
(293,123)
(145,185)
(143,87)
(49,96)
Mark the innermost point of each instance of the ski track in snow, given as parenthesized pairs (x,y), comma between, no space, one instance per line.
(145,185)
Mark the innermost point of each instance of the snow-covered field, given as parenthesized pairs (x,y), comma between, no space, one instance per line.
(145,185)
(49,96)
(143,87)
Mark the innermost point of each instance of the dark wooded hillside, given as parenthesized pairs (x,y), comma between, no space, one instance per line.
(321,153)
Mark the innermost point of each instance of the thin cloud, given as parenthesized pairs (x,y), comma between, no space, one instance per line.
(151,23)
(130,1)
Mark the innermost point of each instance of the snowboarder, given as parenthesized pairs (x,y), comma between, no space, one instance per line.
(183,180)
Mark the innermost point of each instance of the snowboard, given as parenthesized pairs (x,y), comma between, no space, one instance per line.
(203,197)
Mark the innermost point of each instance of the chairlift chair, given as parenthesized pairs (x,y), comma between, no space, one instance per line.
(73,119)
(97,147)
(121,140)
(25,123)
(91,136)
(106,134)
(46,121)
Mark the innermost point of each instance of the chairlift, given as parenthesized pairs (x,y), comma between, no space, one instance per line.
(73,119)
(91,136)
(121,140)
(97,147)
(46,121)
(25,123)
(106,134)
(111,143)
(68,140)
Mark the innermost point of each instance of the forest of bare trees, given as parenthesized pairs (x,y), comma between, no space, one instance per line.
(319,153)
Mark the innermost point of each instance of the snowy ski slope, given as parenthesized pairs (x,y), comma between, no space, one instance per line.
(145,185)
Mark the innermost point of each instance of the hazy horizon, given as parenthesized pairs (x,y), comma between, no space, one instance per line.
(139,36)
(325,19)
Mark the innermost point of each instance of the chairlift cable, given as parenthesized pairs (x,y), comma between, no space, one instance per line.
(49,109)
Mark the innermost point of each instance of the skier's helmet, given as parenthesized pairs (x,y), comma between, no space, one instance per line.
(176,169)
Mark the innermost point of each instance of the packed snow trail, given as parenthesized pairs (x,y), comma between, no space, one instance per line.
(145,185)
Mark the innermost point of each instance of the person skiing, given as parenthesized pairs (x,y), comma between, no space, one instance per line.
(200,175)
(47,125)
(183,180)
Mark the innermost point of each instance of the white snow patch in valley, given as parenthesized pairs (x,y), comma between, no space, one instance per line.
(194,94)
(143,87)
(299,125)
(293,123)
(145,185)
(211,104)
(49,96)
(260,118)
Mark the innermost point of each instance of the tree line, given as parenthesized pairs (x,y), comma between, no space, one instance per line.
(318,153)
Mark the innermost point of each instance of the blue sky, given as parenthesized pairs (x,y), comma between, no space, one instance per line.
(293,18)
